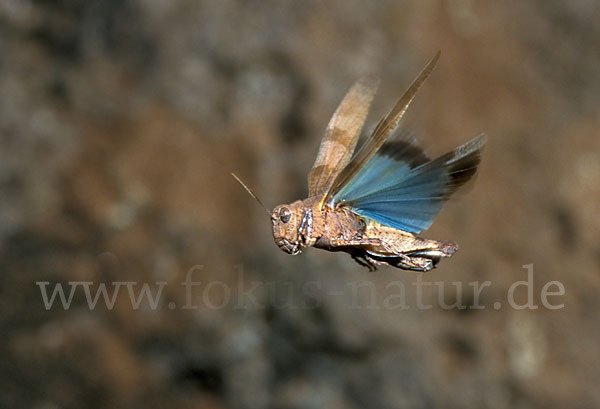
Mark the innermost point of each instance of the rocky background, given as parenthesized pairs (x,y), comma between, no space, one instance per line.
(120,121)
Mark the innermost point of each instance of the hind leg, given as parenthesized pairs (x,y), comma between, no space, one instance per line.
(403,261)
(409,253)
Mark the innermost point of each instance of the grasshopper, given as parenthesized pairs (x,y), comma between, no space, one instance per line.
(373,204)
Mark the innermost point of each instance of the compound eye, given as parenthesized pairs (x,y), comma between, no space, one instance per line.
(285,215)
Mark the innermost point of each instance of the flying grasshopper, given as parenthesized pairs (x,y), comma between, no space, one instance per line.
(373,204)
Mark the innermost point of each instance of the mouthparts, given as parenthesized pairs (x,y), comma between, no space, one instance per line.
(290,248)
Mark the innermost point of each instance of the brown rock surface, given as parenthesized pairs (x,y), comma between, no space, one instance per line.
(120,122)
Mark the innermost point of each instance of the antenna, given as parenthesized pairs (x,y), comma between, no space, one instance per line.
(251,193)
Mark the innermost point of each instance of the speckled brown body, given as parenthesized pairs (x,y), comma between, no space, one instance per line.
(339,229)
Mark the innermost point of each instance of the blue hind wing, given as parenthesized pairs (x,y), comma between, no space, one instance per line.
(399,187)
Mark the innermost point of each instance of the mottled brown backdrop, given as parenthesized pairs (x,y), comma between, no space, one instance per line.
(120,121)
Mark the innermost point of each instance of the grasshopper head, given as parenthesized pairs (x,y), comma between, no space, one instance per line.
(286,220)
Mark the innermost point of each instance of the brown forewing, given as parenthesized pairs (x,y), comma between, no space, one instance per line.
(383,130)
(341,136)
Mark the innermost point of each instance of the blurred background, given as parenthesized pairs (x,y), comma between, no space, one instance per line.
(120,121)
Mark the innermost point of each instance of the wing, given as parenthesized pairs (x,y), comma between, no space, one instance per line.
(399,187)
(341,136)
(383,130)
(392,163)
